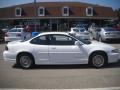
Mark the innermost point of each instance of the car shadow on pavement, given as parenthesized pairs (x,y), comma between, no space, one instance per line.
(113,65)
(85,66)
(56,67)
(113,42)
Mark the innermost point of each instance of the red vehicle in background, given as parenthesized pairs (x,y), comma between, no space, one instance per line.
(118,27)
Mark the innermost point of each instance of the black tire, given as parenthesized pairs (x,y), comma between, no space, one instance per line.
(98,59)
(25,61)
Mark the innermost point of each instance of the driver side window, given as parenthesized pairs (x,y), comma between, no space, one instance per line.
(61,40)
(41,40)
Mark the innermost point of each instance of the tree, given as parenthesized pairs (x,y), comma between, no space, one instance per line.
(117,11)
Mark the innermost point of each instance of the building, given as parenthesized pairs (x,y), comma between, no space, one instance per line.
(54,16)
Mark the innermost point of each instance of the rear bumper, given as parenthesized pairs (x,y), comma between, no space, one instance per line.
(9,57)
(86,37)
(7,39)
(111,38)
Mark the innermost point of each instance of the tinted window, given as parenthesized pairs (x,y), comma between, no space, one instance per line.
(82,40)
(13,30)
(110,29)
(76,30)
(61,40)
(19,30)
(82,30)
(41,40)
(79,30)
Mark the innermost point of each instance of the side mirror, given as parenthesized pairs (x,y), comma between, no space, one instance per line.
(78,43)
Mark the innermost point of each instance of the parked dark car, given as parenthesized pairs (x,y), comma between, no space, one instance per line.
(2,34)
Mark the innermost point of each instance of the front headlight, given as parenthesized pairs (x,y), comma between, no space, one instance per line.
(115,51)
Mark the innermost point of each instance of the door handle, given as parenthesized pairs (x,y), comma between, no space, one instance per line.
(53,47)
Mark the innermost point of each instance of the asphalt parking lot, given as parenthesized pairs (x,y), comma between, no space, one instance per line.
(59,77)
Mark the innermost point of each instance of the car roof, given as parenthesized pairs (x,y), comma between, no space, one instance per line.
(45,33)
(17,28)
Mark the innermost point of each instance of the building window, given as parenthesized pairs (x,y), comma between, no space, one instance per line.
(89,11)
(18,11)
(65,11)
(41,11)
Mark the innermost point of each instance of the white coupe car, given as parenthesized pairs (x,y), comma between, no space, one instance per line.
(80,33)
(56,48)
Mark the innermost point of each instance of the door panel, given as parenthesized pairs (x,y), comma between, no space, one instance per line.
(41,54)
(60,54)
(40,49)
(62,50)
(66,54)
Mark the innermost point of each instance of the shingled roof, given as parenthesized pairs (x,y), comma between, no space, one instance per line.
(53,10)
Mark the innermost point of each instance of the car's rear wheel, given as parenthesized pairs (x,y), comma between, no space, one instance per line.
(26,61)
(98,60)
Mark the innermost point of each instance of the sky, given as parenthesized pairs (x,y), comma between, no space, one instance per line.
(115,4)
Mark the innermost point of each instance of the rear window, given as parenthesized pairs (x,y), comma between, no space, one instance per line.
(110,29)
(79,30)
(15,30)
(82,30)
(19,30)
(76,30)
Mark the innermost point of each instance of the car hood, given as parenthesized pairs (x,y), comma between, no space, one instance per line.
(98,46)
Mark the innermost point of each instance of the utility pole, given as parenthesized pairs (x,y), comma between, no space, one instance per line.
(35,14)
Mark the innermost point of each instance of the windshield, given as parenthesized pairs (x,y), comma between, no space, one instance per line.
(14,30)
(79,30)
(79,26)
(82,30)
(75,30)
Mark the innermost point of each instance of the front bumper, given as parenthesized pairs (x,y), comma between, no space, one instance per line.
(113,57)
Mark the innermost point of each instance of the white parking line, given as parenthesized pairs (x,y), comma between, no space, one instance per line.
(107,88)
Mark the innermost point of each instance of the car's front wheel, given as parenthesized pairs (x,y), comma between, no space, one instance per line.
(26,61)
(98,60)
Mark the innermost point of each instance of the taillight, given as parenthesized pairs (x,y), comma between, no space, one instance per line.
(19,35)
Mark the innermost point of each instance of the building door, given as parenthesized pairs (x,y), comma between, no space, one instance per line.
(54,27)
(54,24)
